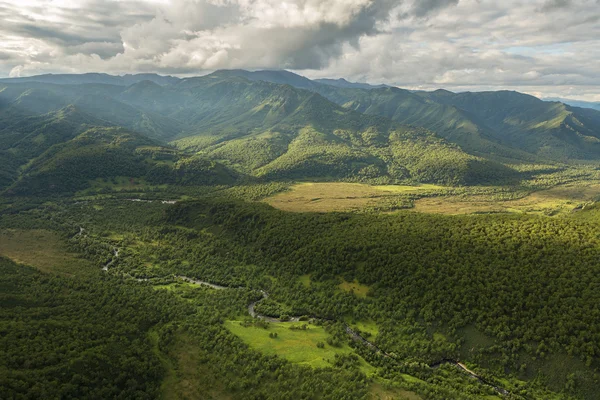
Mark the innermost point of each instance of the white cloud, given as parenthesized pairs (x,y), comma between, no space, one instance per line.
(548,47)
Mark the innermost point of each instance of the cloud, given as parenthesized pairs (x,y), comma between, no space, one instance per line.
(423,8)
(539,45)
(553,5)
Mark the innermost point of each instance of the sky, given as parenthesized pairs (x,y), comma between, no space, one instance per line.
(548,48)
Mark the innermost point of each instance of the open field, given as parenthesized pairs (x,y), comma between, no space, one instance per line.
(339,196)
(41,249)
(551,201)
(355,287)
(297,346)
(379,392)
(326,197)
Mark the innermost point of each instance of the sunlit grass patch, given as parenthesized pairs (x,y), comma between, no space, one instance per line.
(412,379)
(339,196)
(409,189)
(557,200)
(305,280)
(42,249)
(381,392)
(297,346)
(366,326)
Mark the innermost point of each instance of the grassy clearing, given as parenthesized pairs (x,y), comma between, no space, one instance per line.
(305,280)
(358,289)
(366,326)
(408,189)
(297,346)
(338,196)
(559,199)
(380,392)
(43,250)
(412,379)
(177,286)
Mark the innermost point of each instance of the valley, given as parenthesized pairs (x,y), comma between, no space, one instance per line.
(261,235)
(355,197)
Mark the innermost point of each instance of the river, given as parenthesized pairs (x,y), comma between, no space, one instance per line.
(351,332)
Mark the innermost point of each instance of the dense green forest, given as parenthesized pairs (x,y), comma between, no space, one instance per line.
(512,295)
(157,241)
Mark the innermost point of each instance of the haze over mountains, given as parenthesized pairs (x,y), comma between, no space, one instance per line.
(276,125)
(575,103)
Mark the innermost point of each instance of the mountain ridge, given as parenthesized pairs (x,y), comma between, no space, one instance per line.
(276,125)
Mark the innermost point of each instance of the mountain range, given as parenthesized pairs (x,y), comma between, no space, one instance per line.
(576,103)
(275,125)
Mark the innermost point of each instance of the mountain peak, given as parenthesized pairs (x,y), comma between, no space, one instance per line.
(274,76)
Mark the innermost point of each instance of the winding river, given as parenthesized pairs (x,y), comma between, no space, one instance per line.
(351,332)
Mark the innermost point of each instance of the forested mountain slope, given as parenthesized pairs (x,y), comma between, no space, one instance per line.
(276,131)
(452,123)
(95,153)
(276,125)
(549,129)
(502,125)
(87,153)
(100,101)
(268,130)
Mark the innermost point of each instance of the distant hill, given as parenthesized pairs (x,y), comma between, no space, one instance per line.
(19,100)
(452,123)
(278,132)
(575,103)
(282,77)
(526,128)
(502,125)
(267,130)
(276,125)
(342,83)
(78,79)
(552,131)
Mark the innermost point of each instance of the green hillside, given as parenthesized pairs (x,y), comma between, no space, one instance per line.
(99,101)
(110,152)
(550,130)
(95,153)
(276,125)
(503,125)
(278,132)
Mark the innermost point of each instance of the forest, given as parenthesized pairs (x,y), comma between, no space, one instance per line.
(258,235)
(513,295)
